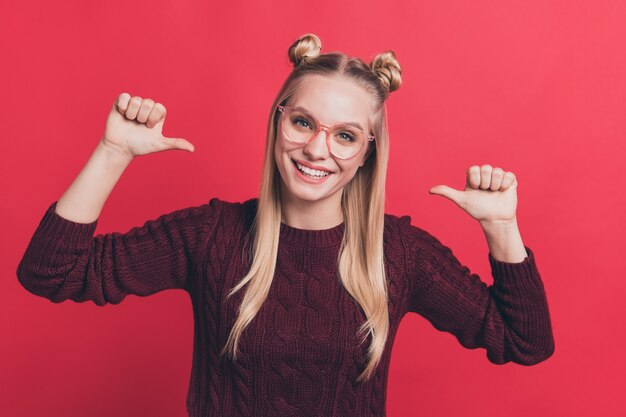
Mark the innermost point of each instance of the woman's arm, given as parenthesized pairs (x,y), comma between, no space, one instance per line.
(82,202)
(65,261)
(510,318)
(504,240)
(133,128)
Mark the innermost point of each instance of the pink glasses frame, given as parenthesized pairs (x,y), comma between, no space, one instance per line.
(326,129)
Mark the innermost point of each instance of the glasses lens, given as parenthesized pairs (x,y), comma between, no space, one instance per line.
(346,141)
(298,126)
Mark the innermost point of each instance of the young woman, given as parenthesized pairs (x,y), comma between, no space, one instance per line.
(297,294)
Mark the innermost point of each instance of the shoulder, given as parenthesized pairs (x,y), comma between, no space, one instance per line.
(216,213)
(234,216)
(230,211)
(402,227)
(412,237)
(408,247)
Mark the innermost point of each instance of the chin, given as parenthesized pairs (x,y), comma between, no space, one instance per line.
(301,191)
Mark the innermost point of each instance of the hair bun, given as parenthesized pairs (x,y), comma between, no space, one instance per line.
(306,46)
(386,66)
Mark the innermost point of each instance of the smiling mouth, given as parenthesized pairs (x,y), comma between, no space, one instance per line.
(311,173)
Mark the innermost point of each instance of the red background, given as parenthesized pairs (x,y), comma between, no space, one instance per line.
(535,87)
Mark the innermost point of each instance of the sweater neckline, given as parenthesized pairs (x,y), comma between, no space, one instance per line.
(315,237)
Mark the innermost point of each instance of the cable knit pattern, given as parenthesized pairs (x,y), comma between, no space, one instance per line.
(300,356)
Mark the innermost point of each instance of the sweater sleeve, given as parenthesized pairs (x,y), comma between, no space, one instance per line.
(510,318)
(63,259)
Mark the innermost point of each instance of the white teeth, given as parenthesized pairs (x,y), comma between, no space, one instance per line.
(314,172)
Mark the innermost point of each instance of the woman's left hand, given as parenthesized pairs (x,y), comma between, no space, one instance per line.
(490,194)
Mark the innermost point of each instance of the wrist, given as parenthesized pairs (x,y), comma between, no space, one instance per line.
(499,224)
(114,153)
(504,240)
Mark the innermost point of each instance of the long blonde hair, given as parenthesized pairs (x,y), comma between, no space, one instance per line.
(361,260)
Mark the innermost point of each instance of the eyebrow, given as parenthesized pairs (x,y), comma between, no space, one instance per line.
(355,124)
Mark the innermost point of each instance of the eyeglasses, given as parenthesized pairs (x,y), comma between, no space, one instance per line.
(344,141)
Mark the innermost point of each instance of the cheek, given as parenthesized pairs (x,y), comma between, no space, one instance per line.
(348,170)
(280,148)
(279,156)
(278,151)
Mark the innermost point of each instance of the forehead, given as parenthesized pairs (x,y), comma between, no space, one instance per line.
(334,99)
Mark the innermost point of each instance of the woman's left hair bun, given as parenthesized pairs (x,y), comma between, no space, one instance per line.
(386,66)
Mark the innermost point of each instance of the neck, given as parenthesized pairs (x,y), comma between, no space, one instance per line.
(313,215)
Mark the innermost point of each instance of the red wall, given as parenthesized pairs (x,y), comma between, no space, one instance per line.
(535,87)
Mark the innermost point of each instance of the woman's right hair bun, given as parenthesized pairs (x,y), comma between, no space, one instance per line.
(306,46)
(386,66)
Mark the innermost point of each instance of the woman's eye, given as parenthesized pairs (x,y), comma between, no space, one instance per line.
(346,136)
(302,122)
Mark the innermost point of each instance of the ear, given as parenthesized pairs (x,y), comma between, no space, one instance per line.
(366,155)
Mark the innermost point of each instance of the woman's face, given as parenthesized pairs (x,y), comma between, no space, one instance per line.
(332,101)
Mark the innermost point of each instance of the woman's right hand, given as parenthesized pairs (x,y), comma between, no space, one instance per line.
(134,128)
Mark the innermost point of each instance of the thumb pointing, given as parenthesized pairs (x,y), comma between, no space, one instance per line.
(448,192)
(180,143)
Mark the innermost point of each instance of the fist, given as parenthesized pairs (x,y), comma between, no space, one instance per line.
(134,127)
(490,194)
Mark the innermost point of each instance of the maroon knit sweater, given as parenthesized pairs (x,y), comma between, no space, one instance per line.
(300,356)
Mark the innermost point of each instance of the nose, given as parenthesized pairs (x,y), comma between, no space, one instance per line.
(317,148)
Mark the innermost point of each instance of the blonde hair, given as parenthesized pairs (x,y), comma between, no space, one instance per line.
(361,259)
